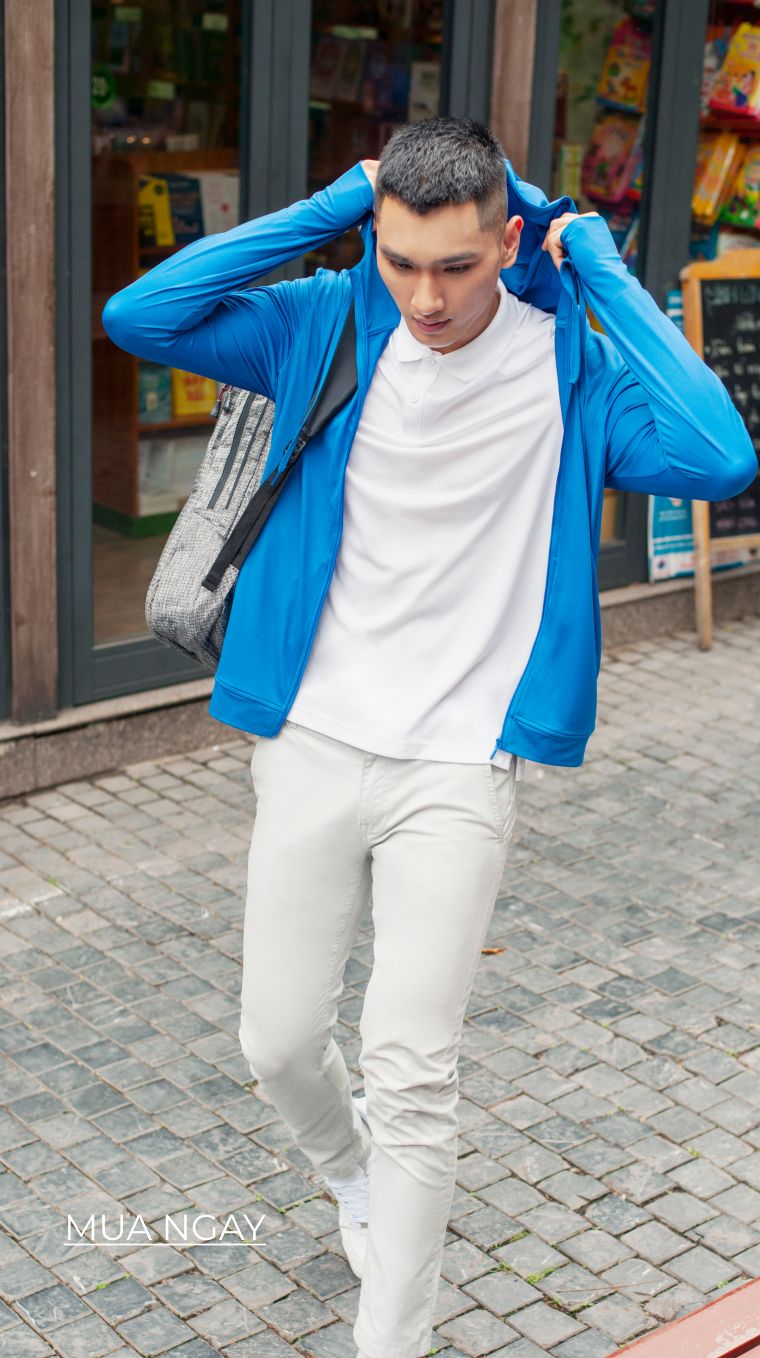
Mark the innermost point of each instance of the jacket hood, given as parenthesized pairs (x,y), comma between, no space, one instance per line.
(533,277)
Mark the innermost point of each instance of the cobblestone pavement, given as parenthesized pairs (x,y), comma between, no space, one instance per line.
(610,1073)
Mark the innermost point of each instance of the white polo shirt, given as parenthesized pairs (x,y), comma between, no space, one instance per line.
(438,588)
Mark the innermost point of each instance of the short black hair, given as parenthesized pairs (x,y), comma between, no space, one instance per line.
(441,161)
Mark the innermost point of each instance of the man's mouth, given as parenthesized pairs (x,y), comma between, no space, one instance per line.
(430,327)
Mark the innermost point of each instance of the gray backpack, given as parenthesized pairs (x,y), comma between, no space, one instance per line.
(190,595)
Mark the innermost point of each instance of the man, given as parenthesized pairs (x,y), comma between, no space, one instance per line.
(417,618)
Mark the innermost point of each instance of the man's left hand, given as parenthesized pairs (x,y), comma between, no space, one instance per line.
(552,241)
(370,168)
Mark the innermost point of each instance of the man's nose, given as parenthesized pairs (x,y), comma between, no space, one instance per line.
(427,297)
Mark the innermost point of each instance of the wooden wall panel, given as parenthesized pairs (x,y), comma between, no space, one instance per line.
(512,81)
(29,37)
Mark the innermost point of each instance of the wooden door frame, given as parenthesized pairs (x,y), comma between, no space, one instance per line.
(28,508)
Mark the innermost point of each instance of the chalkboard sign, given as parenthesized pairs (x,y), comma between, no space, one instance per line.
(731,344)
(722,322)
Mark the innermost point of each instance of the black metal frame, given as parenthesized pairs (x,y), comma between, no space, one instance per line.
(274,145)
(670,153)
(5,601)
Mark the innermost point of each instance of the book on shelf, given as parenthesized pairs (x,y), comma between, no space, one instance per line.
(612,157)
(716,177)
(220,196)
(191,395)
(743,205)
(154,211)
(625,75)
(187,212)
(154,393)
(737,85)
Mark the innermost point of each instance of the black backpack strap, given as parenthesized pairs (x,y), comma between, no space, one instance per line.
(340,384)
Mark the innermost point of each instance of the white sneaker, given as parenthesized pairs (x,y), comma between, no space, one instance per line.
(352,1195)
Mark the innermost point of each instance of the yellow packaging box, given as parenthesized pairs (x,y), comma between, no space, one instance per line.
(191,395)
(154,212)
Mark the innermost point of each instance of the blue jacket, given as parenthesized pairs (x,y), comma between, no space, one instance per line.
(641,413)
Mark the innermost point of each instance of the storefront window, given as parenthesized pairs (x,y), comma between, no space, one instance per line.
(602,86)
(374,67)
(726,202)
(165,136)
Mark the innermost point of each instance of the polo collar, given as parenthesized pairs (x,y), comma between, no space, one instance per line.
(473,358)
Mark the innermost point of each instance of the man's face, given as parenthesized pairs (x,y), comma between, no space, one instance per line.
(442,269)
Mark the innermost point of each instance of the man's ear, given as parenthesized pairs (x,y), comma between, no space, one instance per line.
(511,242)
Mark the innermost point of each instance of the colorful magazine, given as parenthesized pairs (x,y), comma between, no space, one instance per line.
(743,206)
(716,178)
(737,84)
(610,163)
(625,76)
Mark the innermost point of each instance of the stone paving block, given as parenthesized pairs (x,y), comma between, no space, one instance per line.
(22,1279)
(258,1285)
(655,1242)
(638,1182)
(121,1300)
(51,1307)
(727,1236)
(451,1301)
(336,1341)
(88,1338)
(511,1196)
(530,1257)
(296,1314)
(346,1304)
(502,1293)
(325,1276)
(477,1332)
(552,1222)
(637,1279)
(190,1293)
(476,1171)
(155,1332)
(462,1261)
(721,1148)
(703,1179)
(659,1154)
(487,1228)
(749,1261)
(681,1211)
(572,1189)
(545,1326)
(590,1344)
(24,1343)
(573,1287)
(702,1269)
(225,1323)
(533,1163)
(619,1318)
(266,1344)
(596,1250)
(598,1157)
(679,1301)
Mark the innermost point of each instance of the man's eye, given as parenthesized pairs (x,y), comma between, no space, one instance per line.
(457,268)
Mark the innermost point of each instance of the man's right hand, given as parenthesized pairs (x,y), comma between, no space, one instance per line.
(370,168)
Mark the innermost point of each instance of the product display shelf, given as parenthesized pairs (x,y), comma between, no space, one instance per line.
(117,259)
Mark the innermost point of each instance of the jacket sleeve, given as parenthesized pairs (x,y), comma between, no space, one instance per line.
(671,426)
(192,312)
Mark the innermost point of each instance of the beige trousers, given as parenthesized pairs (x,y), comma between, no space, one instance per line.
(427,841)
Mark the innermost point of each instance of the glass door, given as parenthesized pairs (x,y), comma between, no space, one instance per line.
(600,117)
(374,67)
(165,134)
